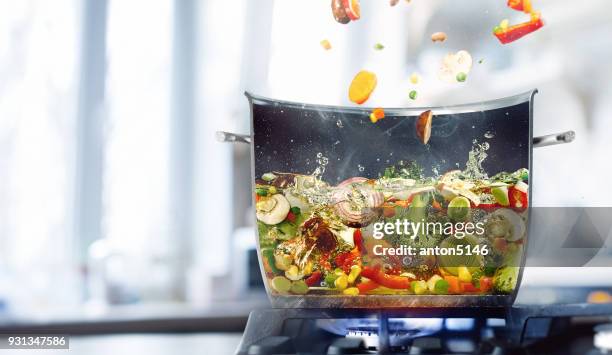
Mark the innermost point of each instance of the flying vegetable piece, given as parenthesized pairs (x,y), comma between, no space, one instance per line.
(377,114)
(352,9)
(362,86)
(423,126)
(453,64)
(326,44)
(513,33)
(521,5)
(438,37)
(507,34)
(339,13)
(414,78)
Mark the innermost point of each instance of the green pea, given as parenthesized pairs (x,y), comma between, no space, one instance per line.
(413,95)
(461,77)
(379,46)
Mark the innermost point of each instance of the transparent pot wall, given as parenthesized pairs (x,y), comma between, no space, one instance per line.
(352,213)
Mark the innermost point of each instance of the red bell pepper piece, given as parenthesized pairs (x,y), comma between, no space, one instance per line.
(516,32)
(518,199)
(314,279)
(347,259)
(390,281)
(486,283)
(291,217)
(358,240)
(486,206)
(340,259)
(520,5)
(468,287)
(367,286)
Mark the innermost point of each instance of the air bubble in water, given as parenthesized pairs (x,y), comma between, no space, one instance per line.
(321,164)
(360,167)
(489,135)
(339,124)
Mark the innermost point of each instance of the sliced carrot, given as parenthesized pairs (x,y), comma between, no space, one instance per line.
(377,114)
(362,86)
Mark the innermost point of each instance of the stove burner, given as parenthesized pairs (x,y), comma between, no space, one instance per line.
(518,329)
(603,337)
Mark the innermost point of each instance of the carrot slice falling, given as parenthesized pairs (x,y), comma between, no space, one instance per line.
(362,86)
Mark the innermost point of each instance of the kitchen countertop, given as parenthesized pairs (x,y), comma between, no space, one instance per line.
(220,317)
(150,344)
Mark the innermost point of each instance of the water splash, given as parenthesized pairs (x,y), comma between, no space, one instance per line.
(473,166)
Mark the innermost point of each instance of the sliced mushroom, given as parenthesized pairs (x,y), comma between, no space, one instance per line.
(438,37)
(423,126)
(272,210)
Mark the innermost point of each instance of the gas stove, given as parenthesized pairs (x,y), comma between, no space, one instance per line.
(557,328)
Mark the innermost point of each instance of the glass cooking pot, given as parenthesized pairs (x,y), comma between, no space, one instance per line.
(426,207)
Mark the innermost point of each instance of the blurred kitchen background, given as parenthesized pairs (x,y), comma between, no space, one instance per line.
(117,202)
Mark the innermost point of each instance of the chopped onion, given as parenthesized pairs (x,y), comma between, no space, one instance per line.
(345,204)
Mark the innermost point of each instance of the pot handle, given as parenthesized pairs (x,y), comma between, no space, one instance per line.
(232,137)
(554,139)
(541,141)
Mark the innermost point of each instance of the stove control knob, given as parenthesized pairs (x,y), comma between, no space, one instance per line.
(603,337)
